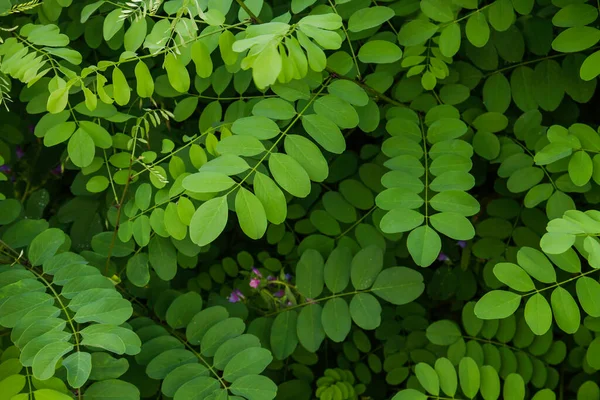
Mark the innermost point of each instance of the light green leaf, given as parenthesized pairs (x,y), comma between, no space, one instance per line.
(45,245)
(271,197)
(416,32)
(398,285)
(365,311)
(81,148)
(538,314)
(251,214)
(336,319)
(207,182)
(289,174)
(309,328)
(469,375)
(497,304)
(78,366)
(477,29)
(447,376)
(324,132)
(309,274)
(576,39)
(379,52)
(283,337)
(254,387)
(536,264)
(566,310)
(428,378)
(208,221)
(369,17)
(514,277)
(249,361)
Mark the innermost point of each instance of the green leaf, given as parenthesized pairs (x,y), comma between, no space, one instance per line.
(289,174)
(182,310)
(538,314)
(580,168)
(246,146)
(443,333)
(202,322)
(145,83)
(336,319)
(81,148)
(576,39)
(514,277)
(366,265)
(416,32)
(201,57)
(232,347)
(428,378)
(309,274)
(251,214)
(200,386)
(490,383)
(78,366)
(497,304)
(308,155)
(536,264)
(137,270)
(309,328)
(379,52)
(398,285)
(349,91)
(261,128)
(250,361)
(209,221)
(337,110)
(455,201)
(453,225)
(283,337)
(365,311)
(587,292)
(524,179)
(121,90)
(274,108)
(207,182)
(219,333)
(401,220)
(477,29)
(469,376)
(111,389)
(447,376)
(337,269)
(324,132)
(45,245)
(369,17)
(44,362)
(112,24)
(254,387)
(501,15)
(59,133)
(162,257)
(177,73)
(424,245)
(566,310)
(450,40)
(271,197)
(590,67)
(514,387)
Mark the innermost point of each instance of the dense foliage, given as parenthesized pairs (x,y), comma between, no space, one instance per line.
(332,199)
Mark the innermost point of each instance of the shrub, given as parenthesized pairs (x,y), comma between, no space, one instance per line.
(332,199)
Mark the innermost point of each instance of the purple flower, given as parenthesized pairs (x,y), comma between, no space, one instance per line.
(288,277)
(279,294)
(5,168)
(57,170)
(442,257)
(270,278)
(254,283)
(256,272)
(235,296)
(20,153)
(462,244)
